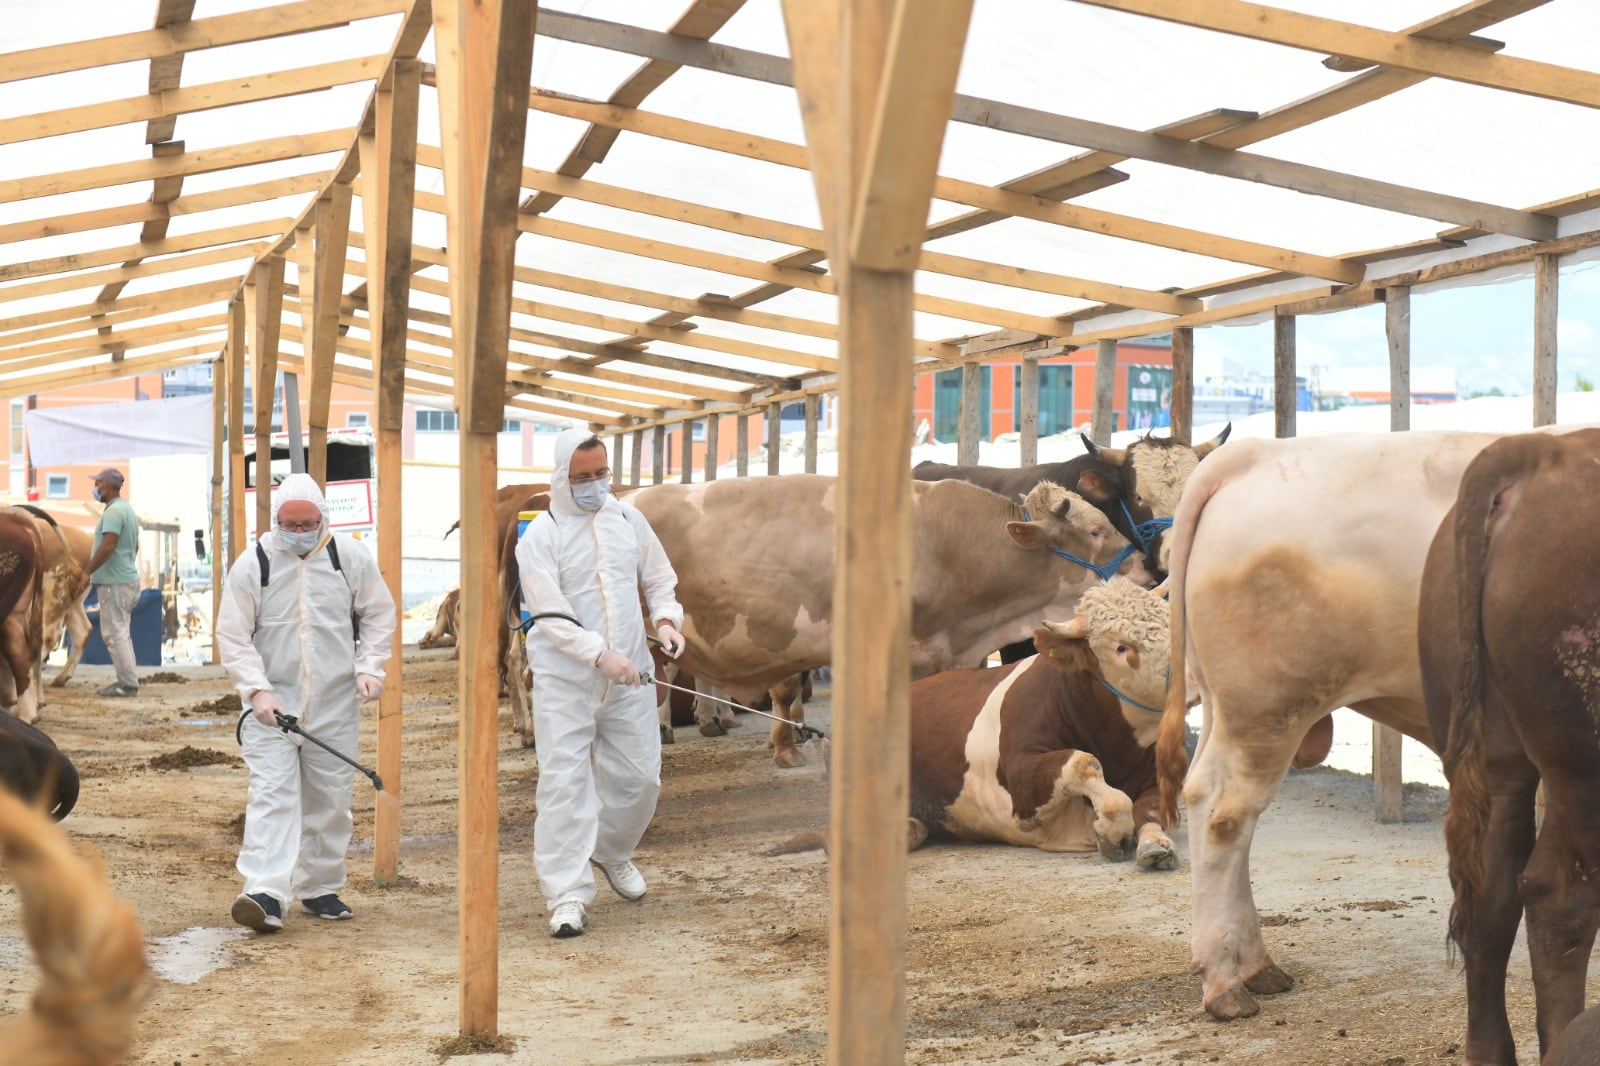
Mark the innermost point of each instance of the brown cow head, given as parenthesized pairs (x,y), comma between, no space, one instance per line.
(1154,472)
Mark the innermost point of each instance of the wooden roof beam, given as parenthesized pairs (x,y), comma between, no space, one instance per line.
(168,105)
(204,161)
(1440,59)
(151,211)
(191,36)
(167,265)
(144,250)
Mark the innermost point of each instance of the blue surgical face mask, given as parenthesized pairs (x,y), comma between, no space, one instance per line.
(97,496)
(591,495)
(300,543)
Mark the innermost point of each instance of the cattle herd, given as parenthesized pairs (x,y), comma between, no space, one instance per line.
(1425,579)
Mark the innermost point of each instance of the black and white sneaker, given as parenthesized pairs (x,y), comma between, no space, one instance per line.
(259,911)
(330,907)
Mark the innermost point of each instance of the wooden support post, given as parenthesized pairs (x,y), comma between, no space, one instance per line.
(1386,776)
(741,448)
(319,336)
(774,439)
(219,465)
(686,472)
(1284,386)
(813,411)
(658,454)
(1183,384)
(1028,416)
(485,52)
(1546,285)
(618,456)
(971,414)
(238,422)
(636,461)
(1397,327)
(875,80)
(264,321)
(389,178)
(712,421)
(1388,786)
(1102,418)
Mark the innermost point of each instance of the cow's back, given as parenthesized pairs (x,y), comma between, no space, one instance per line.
(944,709)
(1013,482)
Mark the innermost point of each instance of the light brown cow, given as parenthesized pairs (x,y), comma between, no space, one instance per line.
(755,563)
(66,587)
(446,624)
(1295,566)
(21,612)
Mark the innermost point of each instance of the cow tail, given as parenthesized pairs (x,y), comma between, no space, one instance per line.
(1172,757)
(94,975)
(1467,818)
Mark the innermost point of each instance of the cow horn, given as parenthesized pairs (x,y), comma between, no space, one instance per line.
(1114,456)
(1077,629)
(1203,450)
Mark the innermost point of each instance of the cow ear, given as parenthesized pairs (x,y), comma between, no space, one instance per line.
(1095,487)
(1026,534)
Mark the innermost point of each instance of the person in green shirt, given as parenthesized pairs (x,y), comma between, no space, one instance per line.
(115,575)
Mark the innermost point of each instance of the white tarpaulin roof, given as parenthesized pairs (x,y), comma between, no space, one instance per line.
(1211,157)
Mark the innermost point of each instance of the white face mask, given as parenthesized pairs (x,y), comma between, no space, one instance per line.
(97,495)
(300,543)
(591,495)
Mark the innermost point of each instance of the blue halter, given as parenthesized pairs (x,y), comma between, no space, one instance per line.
(1145,532)
(1125,698)
(1106,572)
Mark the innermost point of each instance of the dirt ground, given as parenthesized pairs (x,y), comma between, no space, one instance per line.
(1015,956)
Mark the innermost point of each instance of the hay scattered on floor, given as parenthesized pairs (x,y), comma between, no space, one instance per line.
(163,677)
(476,1045)
(187,756)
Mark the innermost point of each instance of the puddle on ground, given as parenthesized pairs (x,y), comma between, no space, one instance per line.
(184,958)
(200,721)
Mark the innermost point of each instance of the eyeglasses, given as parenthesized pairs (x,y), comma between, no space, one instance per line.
(300,527)
(584,479)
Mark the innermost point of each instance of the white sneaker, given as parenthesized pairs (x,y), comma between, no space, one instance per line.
(625,878)
(567,919)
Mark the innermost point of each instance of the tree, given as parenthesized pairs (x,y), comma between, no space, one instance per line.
(1583,384)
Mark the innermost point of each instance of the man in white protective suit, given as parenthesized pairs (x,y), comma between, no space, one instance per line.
(582,566)
(304,630)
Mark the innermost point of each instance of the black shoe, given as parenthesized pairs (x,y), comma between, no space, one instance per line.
(117,688)
(259,911)
(330,907)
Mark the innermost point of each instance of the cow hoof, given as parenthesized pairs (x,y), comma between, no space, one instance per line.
(712,729)
(730,723)
(788,758)
(1115,850)
(60,682)
(1156,855)
(667,736)
(1232,1005)
(1269,981)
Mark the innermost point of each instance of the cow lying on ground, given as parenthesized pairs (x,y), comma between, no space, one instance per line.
(31,766)
(1579,1044)
(1046,752)
(65,588)
(90,950)
(21,612)
(755,563)
(446,624)
(1510,652)
(1295,566)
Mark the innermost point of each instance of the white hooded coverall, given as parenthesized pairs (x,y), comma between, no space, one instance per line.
(591,565)
(294,638)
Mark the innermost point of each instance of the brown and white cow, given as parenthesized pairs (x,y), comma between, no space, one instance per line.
(1510,652)
(755,563)
(21,612)
(31,766)
(1047,752)
(1295,566)
(66,587)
